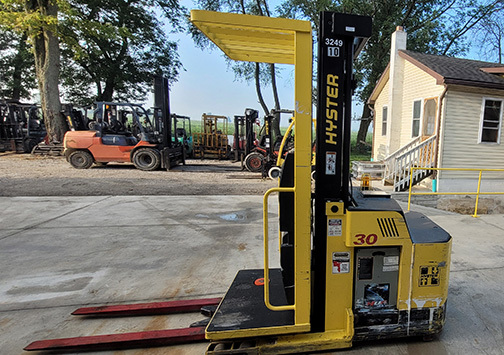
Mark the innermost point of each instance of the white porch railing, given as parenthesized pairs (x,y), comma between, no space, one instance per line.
(414,154)
(391,158)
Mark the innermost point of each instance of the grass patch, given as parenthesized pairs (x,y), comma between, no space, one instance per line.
(354,154)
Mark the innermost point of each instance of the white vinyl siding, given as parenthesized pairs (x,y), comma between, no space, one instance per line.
(461,147)
(491,120)
(380,149)
(417,85)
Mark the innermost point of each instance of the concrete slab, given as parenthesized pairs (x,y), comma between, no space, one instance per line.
(57,254)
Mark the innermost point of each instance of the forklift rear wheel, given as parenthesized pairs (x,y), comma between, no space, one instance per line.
(254,162)
(274,172)
(80,159)
(29,144)
(147,159)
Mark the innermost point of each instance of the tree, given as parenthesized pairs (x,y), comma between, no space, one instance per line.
(17,76)
(115,47)
(433,26)
(39,20)
(259,73)
(490,35)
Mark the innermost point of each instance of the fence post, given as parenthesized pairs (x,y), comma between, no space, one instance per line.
(410,183)
(477,195)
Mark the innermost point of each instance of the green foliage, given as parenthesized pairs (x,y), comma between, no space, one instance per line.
(355,153)
(115,48)
(17,75)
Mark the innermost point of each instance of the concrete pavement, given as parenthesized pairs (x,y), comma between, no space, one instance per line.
(60,253)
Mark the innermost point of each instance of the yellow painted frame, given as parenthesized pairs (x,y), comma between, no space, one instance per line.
(283,41)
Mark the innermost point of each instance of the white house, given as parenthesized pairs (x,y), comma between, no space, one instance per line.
(438,111)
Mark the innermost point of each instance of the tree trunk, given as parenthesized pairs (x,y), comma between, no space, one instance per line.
(363,129)
(258,90)
(47,68)
(108,92)
(275,124)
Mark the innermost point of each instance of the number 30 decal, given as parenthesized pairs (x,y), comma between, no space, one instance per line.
(366,239)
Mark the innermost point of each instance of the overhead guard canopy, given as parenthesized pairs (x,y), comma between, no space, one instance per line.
(251,38)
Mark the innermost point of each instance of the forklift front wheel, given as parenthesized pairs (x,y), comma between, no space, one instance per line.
(80,159)
(254,162)
(147,159)
(274,172)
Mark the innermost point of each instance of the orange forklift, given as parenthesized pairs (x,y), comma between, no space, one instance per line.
(124,133)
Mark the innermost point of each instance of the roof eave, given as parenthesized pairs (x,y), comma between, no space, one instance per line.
(479,84)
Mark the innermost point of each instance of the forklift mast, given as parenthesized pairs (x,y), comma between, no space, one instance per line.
(162,102)
(341,36)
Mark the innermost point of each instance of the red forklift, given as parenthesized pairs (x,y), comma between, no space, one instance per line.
(264,156)
(124,132)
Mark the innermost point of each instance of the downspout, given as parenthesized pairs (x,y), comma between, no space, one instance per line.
(438,131)
(373,113)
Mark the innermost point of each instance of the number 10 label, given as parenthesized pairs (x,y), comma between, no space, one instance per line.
(333,51)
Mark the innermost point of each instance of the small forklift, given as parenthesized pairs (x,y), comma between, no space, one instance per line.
(245,136)
(353,265)
(212,141)
(123,132)
(269,151)
(21,126)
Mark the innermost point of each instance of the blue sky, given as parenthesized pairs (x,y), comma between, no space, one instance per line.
(207,85)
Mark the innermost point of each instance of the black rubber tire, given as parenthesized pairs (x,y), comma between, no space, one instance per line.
(274,172)
(147,159)
(80,159)
(29,144)
(254,162)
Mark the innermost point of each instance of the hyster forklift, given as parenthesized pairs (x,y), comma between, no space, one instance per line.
(354,266)
(119,138)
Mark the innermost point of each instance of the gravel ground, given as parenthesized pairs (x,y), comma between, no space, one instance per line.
(35,175)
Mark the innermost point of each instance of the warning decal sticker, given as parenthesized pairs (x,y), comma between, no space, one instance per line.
(340,262)
(330,163)
(429,276)
(334,227)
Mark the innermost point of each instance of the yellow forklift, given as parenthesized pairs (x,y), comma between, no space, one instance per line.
(354,266)
(212,141)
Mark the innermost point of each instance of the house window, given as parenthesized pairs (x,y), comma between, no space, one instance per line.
(417,111)
(384,121)
(491,121)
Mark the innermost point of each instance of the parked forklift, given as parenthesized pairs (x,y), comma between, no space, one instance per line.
(21,126)
(212,141)
(124,132)
(353,265)
(267,152)
(244,139)
(184,134)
